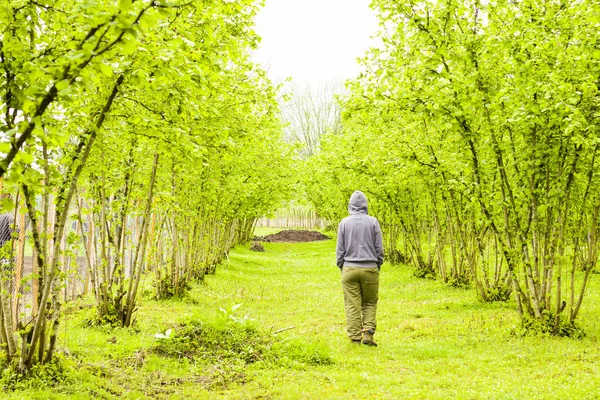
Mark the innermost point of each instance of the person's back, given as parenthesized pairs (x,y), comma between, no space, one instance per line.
(360,237)
(359,256)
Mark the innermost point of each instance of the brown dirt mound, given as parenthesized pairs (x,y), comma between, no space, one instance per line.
(293,236)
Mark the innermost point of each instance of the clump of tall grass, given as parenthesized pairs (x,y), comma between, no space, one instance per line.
(238,341)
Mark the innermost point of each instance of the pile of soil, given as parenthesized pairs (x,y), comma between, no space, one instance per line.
(292,236)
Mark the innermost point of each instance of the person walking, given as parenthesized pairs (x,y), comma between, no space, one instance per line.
(359,256)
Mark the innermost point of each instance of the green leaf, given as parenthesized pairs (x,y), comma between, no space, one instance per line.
(65,93)
(130,46)
(7,204)
(106,69)
(124,5)
(61,85)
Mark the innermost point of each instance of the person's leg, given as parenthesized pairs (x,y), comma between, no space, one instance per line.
(351,286)
(370,296)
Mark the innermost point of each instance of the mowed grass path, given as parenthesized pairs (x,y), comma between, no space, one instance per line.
(434,341)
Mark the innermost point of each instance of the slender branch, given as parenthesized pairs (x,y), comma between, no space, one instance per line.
(61,220)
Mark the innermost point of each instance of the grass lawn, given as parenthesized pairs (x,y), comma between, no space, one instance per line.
(435,342)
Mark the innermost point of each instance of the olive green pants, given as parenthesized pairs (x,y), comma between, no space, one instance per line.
(361,292)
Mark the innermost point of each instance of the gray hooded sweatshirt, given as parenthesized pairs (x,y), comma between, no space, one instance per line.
(6,230)
(359,241)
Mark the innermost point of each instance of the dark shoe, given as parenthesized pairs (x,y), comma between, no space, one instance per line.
(368,338)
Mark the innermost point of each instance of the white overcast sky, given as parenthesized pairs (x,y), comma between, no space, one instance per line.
(314,42)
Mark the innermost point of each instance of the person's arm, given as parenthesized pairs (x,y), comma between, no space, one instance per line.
(341,247)
(378,244)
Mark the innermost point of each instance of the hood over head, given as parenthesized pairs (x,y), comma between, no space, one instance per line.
(358,203)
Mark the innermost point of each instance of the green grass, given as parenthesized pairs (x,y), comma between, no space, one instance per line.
(435,342)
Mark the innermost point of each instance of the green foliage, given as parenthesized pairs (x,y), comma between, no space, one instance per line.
(462,282)
(153,119)
(111,319)
(426,271)
(237,342)
(473,131)
(548,326)
(497,293)
(39,377)
(165,288)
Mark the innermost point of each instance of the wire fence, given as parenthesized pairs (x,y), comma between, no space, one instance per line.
(19,270)
(20,275)
(13,228)
(293,219)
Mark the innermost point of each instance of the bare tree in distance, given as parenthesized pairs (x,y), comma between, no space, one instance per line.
(309,114)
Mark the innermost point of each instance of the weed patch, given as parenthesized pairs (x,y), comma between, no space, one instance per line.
(226,349)
(499,292)
(549,326)
(237,342)
(40,376)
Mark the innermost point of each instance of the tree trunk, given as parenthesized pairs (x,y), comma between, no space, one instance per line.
(141,247)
